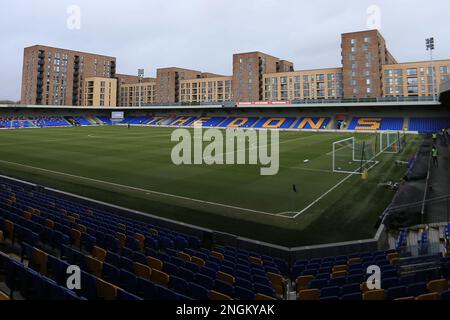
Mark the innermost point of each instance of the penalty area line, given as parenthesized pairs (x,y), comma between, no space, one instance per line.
(141,190)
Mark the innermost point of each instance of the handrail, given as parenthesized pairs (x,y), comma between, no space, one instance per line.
(427,183)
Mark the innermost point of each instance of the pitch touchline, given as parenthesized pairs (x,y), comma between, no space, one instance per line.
(142,190)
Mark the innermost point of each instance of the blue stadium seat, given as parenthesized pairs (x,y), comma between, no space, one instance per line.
(198,292)
(179,285)
(127,296)
(396,292)
(352,296)
(330,292)
(417,289)
(244,294)
(204,281)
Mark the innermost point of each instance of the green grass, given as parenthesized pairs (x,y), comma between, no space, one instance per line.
(126,167)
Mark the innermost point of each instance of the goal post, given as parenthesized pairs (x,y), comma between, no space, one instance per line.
(353,157)
(391,141)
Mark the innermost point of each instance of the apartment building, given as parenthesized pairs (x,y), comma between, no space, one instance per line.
(131,93)
(168,83)
(208,88)
(100,92)
(307,84)
(415,79)
(248,74)
(54,76)
(363,56)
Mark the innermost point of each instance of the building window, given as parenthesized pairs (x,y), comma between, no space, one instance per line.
(411,72)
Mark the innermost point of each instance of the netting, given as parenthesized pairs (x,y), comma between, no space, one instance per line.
(391,141)
(351,156)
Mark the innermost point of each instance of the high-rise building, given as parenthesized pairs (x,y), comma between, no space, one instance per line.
(53,76)
(363,56)
(248,72)
(168,83)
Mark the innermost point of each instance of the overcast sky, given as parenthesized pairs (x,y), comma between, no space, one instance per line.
(203,34)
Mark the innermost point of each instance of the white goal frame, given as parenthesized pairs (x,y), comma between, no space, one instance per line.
(385,142)
(371,161)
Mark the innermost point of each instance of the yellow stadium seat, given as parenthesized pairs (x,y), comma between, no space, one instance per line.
(154,232)
(75,235)
(225,277)
(82,228)
(428,296)
(40,258)
(255,260)
(4,296)
(27,215)
(340,268)
(99,253)
(391,256)
(217,296)
(278,282)
(198,261)
(142,270)
(374,295)
(49,223)
(354,261)
(309,294)
(9,229)
(437,286)
(70,219)
(106,290)
(94,266)
(303,282)
(122,239)
(141,239)
(338,274)
(122,226)
(217,255)
(263,297)
(184,256)
(160,278)
(154,263)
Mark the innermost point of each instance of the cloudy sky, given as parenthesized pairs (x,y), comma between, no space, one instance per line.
(203,34)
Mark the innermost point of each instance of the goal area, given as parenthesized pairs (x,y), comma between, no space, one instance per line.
(352,156)
(357,156)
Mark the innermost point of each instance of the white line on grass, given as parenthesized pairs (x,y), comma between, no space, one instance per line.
(141,190)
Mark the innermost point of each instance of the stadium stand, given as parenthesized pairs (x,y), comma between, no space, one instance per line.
(122,258)
(426,125)
(83,121)
(395,124)
(422,125)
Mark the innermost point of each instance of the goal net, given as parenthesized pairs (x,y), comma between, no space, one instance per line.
(354,156)
(391,141)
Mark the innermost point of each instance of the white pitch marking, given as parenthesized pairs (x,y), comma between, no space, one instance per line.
(139,189)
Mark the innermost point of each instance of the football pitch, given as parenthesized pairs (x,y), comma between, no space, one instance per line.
(133,168)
